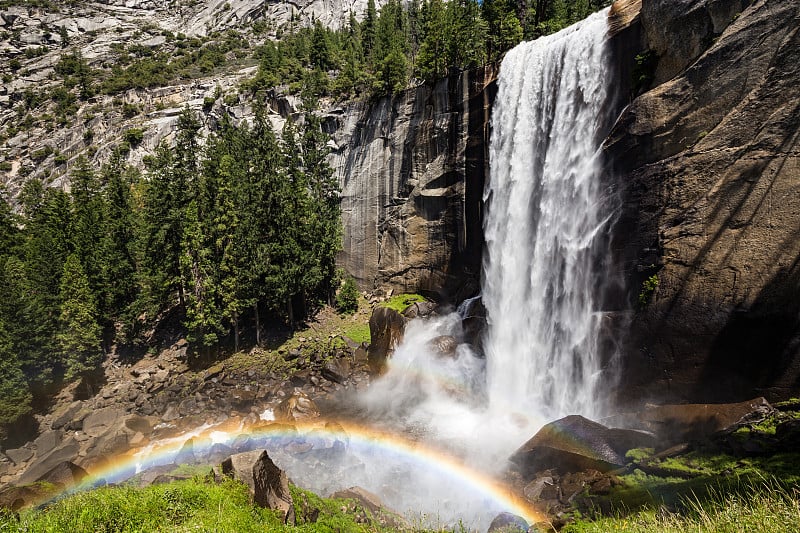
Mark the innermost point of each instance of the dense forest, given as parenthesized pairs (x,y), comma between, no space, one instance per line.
(222,231)
(247,223)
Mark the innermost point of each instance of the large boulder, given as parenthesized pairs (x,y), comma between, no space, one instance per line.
(575,443)
(692,422)
(65,474)
(386,327)
(268,484)
(508,523)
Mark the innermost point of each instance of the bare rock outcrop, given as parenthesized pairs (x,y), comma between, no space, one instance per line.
(268,484)
(710,161)
(412,170)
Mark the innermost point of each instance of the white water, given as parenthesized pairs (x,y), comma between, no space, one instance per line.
(545,207)
(546,215)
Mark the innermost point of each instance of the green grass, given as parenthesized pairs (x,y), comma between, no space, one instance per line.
(358,332)
(188,506)
(402,301)
(766,507)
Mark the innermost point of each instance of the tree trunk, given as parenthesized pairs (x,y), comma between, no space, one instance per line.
(258,324)
(291,315)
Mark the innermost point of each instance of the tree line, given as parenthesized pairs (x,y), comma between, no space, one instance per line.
(407,41)
(224,230)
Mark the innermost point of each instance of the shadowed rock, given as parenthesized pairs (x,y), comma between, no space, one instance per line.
(508,523)
(681,423)
(574,443)
(65,473)
(268,484)
(386,327)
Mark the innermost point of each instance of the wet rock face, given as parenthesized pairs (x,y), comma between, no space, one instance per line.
(412,169)
(574,443)
(711,164)
(386,327)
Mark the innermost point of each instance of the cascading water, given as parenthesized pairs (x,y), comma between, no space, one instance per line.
(545,207)
(546,214)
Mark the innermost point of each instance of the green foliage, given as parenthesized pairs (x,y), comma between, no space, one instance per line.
(79,335)
(15,396)
(347,297)
(649,287)
(764,506)
(133,136)
(401,302)
(190,505)
(644,71)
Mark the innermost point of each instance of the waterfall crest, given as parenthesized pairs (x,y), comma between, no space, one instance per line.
(545,206)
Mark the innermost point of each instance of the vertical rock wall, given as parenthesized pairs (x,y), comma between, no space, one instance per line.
(710,162)
(411,168)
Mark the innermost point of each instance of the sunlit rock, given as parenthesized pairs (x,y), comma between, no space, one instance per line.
(268,484)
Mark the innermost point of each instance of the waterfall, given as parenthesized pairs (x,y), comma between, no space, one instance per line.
(545,209)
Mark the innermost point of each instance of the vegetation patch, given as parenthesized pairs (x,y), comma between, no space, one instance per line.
(401,302)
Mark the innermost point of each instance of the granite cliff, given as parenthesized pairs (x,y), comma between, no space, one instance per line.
(709,163)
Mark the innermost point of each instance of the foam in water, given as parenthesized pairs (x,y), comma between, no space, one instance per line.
(545,208)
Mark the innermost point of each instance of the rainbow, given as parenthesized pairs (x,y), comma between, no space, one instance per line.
(368,439)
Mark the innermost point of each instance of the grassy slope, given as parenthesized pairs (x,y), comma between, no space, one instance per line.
(183,506)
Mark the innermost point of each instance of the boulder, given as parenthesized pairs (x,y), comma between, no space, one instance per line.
(364,497)
(386,327)
(19,455)
(443,346)
(42,465)
(65,473)
(508,523)
(268,484)
(420,310)
(298,406)
(15,498)
(96,422)
(574,443)
(336,370)
(690,422)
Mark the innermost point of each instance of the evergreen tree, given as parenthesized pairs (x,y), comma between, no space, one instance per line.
(119,266)
(88,226)
(15,395)
(45,248)
(368,29)
(79,334)
(432,58)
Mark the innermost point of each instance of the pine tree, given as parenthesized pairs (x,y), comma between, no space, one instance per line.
(368,29)
(45,249)
(88,227)
(119,266)
(79,334)
(15,395)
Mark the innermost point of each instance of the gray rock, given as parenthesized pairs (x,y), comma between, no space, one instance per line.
(508,523)
(336,370)
(99,420)
(268,484)
(41,465)
(574,443)
(19,455)
(47,441)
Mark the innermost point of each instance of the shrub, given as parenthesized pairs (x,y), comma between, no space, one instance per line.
(347,298)
(134,136)
(649,287)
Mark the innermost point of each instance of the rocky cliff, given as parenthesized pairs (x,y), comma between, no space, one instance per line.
(412,169)
(710,164)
